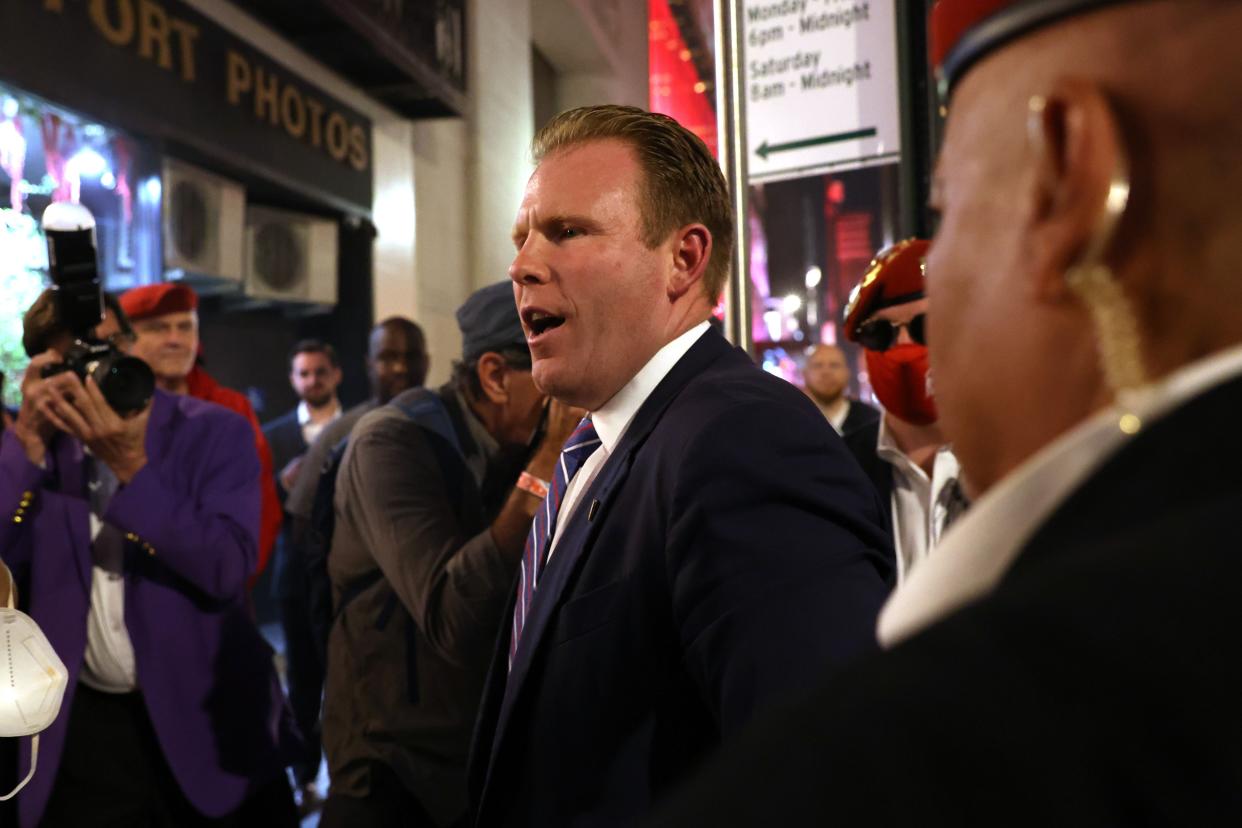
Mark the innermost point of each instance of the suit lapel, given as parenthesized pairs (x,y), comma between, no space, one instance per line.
(581,531)
(577,538)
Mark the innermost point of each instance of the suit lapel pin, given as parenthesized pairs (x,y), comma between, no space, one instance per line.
(593,511)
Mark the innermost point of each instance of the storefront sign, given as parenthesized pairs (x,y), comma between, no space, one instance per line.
(821,86)
(158,67)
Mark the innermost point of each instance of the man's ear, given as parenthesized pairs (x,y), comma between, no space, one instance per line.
(1073,140)
(493,377)
(692,250)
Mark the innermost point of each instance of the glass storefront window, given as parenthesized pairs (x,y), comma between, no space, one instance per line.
(23,258)
(47,154)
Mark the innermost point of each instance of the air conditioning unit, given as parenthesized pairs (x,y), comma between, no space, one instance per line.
(290,257)
(203,221)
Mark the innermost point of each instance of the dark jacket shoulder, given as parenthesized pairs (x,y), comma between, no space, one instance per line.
(727,386)
(860,414)
(862,444)
(284,421)
(284,435)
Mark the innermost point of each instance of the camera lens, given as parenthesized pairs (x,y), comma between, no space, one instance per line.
(125,382)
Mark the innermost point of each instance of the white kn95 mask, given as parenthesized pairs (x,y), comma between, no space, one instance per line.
(32,680)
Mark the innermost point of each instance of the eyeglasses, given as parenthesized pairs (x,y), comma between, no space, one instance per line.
(881,334)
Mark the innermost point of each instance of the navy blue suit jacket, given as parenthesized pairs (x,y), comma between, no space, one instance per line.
(729,551)
(284,435)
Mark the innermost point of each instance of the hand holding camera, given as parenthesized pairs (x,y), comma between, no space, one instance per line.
(117,441)
(61,401)
(37,420)
(92,391)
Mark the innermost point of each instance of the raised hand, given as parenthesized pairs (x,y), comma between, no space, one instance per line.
(37,419)
(561,421)
(118,442)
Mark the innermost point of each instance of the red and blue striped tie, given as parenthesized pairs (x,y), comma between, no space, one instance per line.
(580,445)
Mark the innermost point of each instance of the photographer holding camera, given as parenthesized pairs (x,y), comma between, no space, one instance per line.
(133,526)
(47,341)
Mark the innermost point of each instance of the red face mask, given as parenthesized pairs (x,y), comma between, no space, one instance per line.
(899,378)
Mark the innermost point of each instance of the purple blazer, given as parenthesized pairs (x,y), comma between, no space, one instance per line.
(191,517)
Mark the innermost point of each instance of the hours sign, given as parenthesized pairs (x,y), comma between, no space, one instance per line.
(821,85)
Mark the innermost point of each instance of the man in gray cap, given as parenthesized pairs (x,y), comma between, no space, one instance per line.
(433,502)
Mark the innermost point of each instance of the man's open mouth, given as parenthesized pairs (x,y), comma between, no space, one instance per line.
(540,323)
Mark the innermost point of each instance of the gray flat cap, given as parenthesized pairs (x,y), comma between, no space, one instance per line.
(489,321)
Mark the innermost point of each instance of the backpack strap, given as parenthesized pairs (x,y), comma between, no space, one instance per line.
(429,412)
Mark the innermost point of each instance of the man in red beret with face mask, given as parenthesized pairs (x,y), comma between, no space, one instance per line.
(165,320)
(1069,655)
(904,452)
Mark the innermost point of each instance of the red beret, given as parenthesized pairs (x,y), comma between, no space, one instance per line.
(894,278)
(964,31)
(950,19)
(157,300)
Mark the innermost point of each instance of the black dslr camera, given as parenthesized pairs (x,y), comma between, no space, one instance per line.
(126,382)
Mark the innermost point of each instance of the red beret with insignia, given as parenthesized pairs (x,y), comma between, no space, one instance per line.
(894,278)
(157,300)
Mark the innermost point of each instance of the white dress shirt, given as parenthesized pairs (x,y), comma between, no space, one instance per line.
(614,416)
(108,664)
(312,430)
(980,547)
(837,421)
(918,502)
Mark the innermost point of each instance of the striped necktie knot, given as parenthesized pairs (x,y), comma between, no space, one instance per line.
(580,445)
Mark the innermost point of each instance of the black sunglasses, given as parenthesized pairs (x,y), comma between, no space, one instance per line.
(881,334)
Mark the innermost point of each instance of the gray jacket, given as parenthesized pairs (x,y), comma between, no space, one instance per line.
(408,655)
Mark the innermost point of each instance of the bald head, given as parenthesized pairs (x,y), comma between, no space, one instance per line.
(1171,73)
(1035,133)
(397,325)
(397,357)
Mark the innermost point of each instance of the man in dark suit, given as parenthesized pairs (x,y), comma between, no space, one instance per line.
(1069,654)
(315,374)
(707,545)
(827,375)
